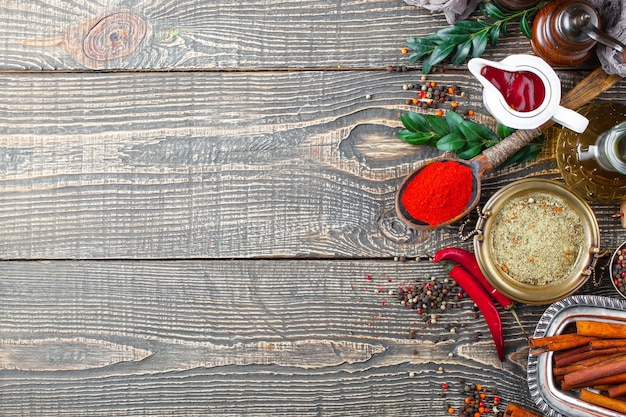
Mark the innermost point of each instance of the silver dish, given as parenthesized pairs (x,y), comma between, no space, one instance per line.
(550,399)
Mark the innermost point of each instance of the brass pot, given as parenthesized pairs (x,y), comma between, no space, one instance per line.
(504,232)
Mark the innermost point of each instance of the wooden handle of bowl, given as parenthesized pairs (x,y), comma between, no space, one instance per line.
(589,88)
(586,90)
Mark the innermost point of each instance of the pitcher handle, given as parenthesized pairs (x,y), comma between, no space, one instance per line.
(570,119)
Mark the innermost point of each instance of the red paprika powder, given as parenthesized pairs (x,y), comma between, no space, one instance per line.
(439,192)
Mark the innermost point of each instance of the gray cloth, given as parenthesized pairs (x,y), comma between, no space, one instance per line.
(454,10)
(613,14)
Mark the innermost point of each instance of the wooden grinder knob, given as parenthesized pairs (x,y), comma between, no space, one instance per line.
(516,4)
(556,39)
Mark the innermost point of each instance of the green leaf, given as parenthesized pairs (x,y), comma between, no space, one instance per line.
(492,11)
(417,138)
(414,122)
(525,154)
(426,65)
(472,25)
(494,35)
(419,45)
(470,152)
(479,43)
(489,134)
(438,124)
(504,131)
(524,26)
(504,29)
(471,131)
(441,52)
(461,53)
(453,34)
(454,120)
(455,30)
(414,57)
(451,142)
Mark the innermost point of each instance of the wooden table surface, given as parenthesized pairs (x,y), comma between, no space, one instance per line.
(188,222)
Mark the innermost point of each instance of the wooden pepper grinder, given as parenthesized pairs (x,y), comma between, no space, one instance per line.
(557,34)
(516,4)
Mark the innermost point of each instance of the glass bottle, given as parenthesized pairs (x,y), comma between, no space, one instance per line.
(593,163)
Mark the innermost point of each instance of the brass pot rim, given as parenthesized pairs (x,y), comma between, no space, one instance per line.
(527,293)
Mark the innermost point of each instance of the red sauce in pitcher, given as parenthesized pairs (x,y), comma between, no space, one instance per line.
(523,91)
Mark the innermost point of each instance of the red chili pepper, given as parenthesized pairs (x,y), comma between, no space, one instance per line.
(484,303)
(468,261)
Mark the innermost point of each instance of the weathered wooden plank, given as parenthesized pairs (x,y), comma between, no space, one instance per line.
(240,337)
(172,34)
(214,165)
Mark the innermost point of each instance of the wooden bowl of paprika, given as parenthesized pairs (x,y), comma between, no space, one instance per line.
(537,242)
(438,193)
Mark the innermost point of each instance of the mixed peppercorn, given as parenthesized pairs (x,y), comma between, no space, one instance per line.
(618,272)
(430,296)
(479,401)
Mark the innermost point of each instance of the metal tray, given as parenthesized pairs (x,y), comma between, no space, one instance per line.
(543,389)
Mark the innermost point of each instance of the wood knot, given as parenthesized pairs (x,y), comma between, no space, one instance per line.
(115,36)
(394,229)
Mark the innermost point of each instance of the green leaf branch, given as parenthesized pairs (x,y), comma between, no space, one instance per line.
(469,38)
(466,138)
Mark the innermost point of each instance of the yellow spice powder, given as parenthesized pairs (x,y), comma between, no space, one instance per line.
(537,238)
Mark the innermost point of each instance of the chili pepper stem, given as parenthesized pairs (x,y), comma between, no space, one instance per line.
(516,317)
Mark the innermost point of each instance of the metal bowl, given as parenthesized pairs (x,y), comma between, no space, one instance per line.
(544,390)
(547,289)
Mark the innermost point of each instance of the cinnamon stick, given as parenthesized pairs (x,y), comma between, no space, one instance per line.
(617,390)
(537,342)
(584,363)
(513,410)
(602,370)
(599,344)
(569,344)
(562,358)
(601,329)
(607,380)
(586,355)
(603,401)
(558,342)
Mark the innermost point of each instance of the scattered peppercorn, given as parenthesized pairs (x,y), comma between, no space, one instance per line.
(428,296)
(429,93)
(479,402)
(618,271)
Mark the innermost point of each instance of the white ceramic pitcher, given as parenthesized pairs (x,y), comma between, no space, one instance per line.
(549,108)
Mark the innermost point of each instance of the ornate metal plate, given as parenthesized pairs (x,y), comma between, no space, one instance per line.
(543,389)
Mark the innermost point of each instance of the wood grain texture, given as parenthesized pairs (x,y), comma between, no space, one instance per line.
(197,242)
(192,34)
(281,337)
(212,165)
